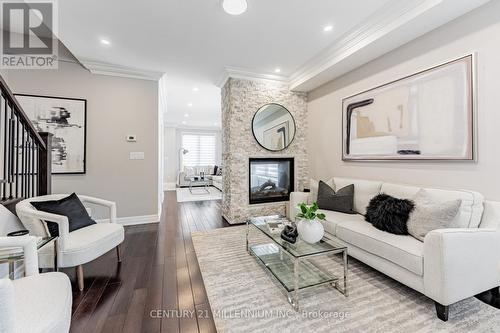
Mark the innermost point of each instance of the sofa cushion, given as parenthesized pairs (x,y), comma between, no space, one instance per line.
(364,191)
(404,251)
(332,218)
(399,191)
(471,209)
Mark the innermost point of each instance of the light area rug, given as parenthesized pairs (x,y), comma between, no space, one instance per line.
(245,298)
(184,195)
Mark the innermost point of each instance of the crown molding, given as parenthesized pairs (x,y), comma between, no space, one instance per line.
(102,68)
(243,73)
(389,25)
(387,19)
(396,23)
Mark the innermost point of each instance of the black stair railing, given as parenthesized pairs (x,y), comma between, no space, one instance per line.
(25,169)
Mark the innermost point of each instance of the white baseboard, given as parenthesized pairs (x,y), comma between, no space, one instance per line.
(169,186)
(134,220)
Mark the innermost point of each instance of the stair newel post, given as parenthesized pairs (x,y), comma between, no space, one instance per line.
(45,164)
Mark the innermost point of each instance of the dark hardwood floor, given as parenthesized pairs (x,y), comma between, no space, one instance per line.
(159,271)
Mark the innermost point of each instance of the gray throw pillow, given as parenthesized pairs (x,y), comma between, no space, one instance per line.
(428,215)
(340,201)
(314,186)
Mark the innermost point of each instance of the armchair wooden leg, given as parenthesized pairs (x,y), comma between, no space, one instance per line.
(79,277)
(442,311)
(119,252)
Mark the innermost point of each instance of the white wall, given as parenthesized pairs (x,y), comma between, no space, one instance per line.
(115,107)
(170,158)
(477,31)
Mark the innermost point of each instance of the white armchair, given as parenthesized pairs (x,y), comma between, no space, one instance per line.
(77,247)
(37,302)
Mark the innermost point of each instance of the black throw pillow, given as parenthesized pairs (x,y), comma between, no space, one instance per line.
(215,170)
(389,214)
(340,201)
(71,207)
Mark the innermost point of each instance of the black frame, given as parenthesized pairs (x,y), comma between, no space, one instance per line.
(294,125)
(271,159)
(84,130)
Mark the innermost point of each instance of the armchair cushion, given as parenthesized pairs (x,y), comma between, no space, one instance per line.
(42,303)
(86,244)
(71,207)
(7,319)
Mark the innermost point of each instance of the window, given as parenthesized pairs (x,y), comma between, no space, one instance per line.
(201,149)
(263,172)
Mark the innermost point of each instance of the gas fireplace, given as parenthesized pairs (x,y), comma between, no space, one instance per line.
(271,179)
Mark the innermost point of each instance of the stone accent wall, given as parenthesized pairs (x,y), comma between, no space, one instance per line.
(240,100)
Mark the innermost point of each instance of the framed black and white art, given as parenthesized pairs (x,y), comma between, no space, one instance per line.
(428,115)
(66,119)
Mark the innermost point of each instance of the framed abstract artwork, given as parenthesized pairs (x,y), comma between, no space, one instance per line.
(66,119)
(425,116)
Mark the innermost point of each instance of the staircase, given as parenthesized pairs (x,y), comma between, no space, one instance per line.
(25,154)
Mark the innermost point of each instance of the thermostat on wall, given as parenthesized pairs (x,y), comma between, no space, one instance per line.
(131,138)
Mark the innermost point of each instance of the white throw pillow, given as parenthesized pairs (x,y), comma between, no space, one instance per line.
(314,185)
(430,215)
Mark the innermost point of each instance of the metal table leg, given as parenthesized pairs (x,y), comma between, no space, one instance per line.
(346,292)
(296,284)
(248,231)
(11,270)
(56,267)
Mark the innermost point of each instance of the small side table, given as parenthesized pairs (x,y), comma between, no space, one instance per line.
(13,254)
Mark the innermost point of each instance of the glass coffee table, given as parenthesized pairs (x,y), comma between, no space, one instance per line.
(12,254)
(292,264)
(198,183)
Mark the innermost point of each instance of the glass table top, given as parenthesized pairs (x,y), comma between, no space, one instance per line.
(16,253)
(300,248)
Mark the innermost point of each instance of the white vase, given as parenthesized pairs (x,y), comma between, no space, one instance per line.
(310,231)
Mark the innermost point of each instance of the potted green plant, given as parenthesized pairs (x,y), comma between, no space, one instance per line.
(309,226)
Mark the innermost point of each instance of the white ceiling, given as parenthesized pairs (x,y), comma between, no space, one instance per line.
(194,41)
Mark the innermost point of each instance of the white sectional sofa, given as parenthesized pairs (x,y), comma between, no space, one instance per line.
(194,171)
(448,266)
(217,182)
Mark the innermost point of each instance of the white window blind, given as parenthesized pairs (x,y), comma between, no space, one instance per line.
(263,172)
(201,149)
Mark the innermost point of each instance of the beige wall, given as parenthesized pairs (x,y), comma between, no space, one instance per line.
(115,107)
(171,158)
(478,31)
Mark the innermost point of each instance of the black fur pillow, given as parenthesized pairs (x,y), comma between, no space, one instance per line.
(389,214)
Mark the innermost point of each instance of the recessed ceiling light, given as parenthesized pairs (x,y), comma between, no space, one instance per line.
(184,122)
(328,28)
(186,115)
(277,70)
(235,7)
(190,104)
(105,42)
(195,89)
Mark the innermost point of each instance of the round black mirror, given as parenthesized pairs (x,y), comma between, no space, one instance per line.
(273,127)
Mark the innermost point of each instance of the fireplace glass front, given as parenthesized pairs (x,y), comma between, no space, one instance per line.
(271,179)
